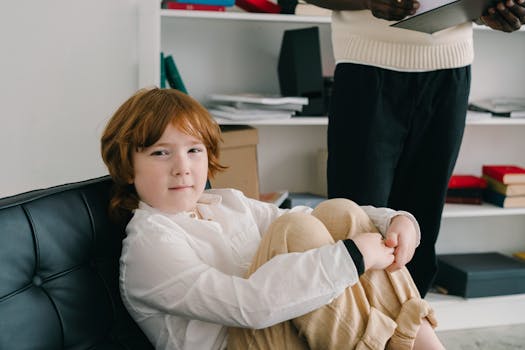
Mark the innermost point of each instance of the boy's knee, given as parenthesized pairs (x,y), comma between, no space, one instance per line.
(338,205)
(301,231)
(343,218)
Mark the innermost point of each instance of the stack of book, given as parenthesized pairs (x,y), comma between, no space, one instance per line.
(508,107)
(465,189)
(251,106)
(197,5)
(505,185)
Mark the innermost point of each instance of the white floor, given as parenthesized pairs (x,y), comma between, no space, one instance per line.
(492,338)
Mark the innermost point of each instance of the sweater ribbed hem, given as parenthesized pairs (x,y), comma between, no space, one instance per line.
(406,57)
(359,37)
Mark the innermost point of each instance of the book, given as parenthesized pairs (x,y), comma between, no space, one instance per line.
(463,200)
(173,75)
(465,192)
(506,174)
(507,107)
(503,201)
(226,3)
(507,190)
(434,15)
(276,197)
(466,195)
(260,6)
(466,181)
(284,106)
(194,7)
(232,113)
(162,81)
(265,99)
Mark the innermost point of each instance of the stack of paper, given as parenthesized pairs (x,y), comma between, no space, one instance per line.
(249,106)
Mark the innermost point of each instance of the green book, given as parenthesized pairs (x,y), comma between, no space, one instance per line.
(173,75)
(162,83)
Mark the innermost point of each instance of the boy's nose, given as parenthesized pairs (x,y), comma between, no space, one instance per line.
(180,167)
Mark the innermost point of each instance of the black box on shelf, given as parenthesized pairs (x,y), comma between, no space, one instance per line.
(302,198)
(475,275)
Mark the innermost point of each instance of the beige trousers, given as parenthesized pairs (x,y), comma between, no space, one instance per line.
(382,311)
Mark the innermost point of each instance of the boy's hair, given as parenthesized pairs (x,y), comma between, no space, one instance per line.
(139,123)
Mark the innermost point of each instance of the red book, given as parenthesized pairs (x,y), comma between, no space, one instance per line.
(196,7)
(467,181)
(463,200)
(507,174)
(261,6)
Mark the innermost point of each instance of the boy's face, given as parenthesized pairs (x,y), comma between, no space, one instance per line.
(171,174)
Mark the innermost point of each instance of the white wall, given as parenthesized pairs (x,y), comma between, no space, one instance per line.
(65,66)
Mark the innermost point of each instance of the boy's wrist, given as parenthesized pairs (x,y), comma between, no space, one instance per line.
(356,255)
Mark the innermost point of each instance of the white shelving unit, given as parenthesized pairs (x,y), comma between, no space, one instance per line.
(238,52)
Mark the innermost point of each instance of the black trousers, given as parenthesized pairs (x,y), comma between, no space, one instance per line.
(393,140)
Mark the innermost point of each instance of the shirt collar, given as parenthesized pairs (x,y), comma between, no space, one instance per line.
(205,198)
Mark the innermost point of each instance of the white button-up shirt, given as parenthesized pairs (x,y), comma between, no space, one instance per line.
(181,277)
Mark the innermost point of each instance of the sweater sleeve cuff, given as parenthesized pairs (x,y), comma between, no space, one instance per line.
(356,255)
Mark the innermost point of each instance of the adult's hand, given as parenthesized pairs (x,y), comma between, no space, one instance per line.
(393,10)
(507,16)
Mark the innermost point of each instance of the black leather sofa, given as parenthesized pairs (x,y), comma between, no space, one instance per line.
(59,257)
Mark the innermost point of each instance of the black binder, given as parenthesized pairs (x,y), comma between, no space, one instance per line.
(454,13)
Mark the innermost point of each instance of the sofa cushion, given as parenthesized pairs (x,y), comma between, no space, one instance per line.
(59,260)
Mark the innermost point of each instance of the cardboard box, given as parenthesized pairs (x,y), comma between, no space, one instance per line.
(239,154)
(480,274)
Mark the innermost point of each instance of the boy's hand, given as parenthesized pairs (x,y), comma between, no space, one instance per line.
(376,254)
(402,236)
(393,10)
(507,16)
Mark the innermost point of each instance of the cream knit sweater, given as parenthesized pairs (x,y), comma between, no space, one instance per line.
(359,37)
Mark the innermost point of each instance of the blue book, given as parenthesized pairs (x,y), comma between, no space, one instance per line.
(503,201)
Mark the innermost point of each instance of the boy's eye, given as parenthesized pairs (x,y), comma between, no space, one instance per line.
(196,150)
(160,152)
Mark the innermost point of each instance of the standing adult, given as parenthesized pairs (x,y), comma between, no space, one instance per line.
(398,111)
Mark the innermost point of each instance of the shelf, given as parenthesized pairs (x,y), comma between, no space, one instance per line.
(320,120)
(485,209)
(244,16)
(455,312)
(264,17)
(295,121)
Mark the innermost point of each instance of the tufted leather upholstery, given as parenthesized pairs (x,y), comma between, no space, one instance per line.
(59,271)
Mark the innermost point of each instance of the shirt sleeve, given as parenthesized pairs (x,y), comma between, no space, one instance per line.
(265,213)
(381,217)
(161,272)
